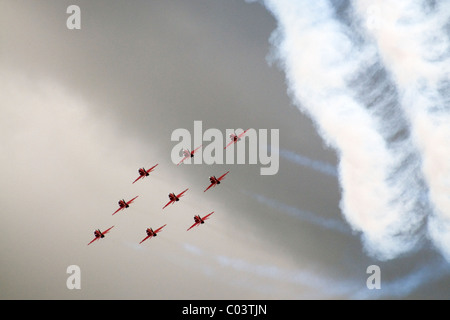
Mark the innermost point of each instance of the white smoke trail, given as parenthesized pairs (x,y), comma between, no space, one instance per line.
(336,79)
(413,40)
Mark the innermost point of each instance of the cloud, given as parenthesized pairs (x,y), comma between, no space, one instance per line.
(413,43)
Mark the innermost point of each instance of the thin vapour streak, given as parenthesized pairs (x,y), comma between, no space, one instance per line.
(316,165)
(325,223)
(318,284)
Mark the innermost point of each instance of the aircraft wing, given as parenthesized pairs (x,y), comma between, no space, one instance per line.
(207,216)
(96,238)
(120,208)
(196,149)
(159,229)
(212,184)
(179,195)
(230,143)
(222,176)
(195,224)
(240,136)
(171,201)
(182,160)
(129,202)
(107,230)
(145,239)
(150,170)
(137,179)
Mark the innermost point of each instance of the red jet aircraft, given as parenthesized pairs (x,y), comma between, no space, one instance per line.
(174,197)
(199,220)
(235,138)
(123,204)
(151,233)
(215,181)
(188,154)
(144,173)
(98,234)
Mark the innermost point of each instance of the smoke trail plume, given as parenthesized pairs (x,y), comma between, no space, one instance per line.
(412,38)
(377,98)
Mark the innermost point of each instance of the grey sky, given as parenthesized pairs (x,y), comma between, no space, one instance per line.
(82,110)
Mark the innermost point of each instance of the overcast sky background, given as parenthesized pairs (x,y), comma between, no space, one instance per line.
(82,110)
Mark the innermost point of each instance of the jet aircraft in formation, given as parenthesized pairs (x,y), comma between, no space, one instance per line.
(172,196)
(188,154)
(215,181)
(152,233)
(235,138)
(199,220)
(144,173)
(124,205)
(99,235)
